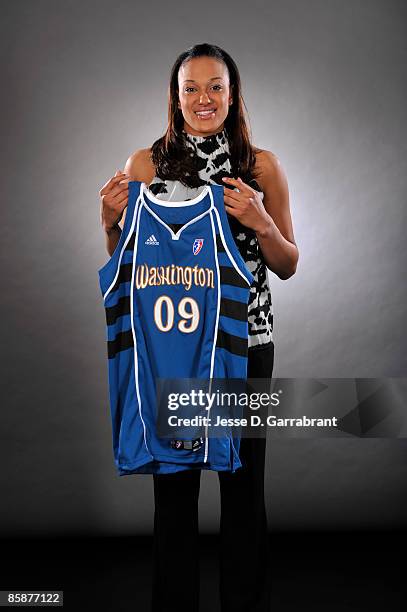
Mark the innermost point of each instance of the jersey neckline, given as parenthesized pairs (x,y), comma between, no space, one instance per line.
(146,194)
(146,200)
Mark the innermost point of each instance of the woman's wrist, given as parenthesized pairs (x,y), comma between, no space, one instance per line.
(113,229)
(266,228)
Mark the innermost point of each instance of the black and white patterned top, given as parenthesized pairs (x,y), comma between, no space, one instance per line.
(215,154)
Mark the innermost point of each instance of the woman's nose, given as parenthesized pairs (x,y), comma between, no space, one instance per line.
(204,98)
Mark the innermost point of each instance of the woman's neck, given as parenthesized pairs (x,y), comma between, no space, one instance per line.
(201,137)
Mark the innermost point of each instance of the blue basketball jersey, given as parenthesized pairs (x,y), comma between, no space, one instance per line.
(175,294)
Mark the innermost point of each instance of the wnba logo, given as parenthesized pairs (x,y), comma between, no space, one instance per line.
(197,246)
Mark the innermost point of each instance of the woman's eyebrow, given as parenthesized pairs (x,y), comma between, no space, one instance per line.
(192,80)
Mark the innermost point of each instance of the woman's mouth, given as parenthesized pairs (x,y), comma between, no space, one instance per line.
(206,114)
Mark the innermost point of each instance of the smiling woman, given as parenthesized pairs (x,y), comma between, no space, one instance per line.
(199,150)
(206,141)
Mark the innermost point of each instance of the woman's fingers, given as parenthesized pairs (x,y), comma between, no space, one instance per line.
(114,196)
(112,182)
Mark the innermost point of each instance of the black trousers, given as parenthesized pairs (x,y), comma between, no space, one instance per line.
(243,541)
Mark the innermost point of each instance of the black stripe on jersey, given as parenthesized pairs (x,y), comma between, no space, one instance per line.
(125,269)
(229,276)
(233,344)
(130,244)
(123,341)
(118,310)
(124,275)
(233,309)
(219,244)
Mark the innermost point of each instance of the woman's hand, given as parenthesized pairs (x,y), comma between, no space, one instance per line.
(114,195)
(246,205)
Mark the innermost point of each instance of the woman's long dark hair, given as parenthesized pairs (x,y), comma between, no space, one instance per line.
(170,155)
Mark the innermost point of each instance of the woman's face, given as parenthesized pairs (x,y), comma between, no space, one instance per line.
(203,84)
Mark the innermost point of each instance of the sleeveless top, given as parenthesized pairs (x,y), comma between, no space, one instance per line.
(215,154)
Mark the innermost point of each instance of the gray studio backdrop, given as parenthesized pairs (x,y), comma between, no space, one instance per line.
(85,85)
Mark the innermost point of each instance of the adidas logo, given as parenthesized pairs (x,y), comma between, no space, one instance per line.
(152,240)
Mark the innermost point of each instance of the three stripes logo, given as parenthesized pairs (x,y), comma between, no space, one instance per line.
(152,240)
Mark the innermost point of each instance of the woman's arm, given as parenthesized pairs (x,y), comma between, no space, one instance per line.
(114,195)
(139,167)
(113,199)
(276,237)
(270,218)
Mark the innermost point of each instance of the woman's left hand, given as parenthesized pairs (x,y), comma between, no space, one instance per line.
(246,205)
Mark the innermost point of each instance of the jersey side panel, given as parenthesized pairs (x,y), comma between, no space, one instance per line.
(115,281)
(233,329)
(232,338)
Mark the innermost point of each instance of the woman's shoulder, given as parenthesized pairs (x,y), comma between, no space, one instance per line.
(267,166)
(139,166)
(265,158)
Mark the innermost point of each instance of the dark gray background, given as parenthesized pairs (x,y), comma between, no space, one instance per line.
(85,84)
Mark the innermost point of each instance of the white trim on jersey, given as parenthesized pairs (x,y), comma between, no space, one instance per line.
(129,235)
(176,235)
(169,204)
(218,304)
(215,335)
(132,325)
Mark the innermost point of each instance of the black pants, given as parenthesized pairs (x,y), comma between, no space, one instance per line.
(243,541)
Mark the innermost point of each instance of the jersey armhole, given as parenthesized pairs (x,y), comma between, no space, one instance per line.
(105,271)
(231,246)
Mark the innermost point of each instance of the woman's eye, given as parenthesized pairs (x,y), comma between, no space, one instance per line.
(188,89)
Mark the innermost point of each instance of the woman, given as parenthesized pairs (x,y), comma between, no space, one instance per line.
(207,141)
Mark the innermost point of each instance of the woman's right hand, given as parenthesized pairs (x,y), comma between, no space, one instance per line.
(113,200)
